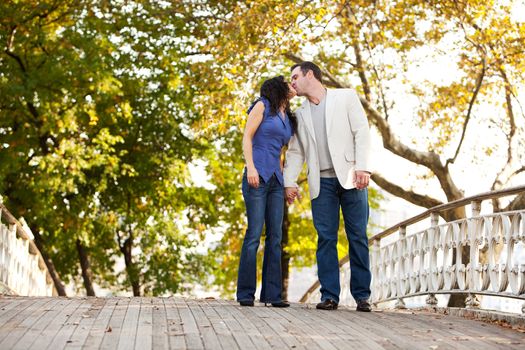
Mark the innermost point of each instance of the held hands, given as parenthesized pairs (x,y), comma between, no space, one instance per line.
(291,194)
(253,177)
(361,179)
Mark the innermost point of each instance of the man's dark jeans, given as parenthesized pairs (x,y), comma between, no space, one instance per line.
(325,211)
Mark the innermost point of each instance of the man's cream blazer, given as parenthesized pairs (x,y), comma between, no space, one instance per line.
(348,138)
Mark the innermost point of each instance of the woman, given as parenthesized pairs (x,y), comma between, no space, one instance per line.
(268,129)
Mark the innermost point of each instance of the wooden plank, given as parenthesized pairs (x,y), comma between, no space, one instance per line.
(89,319)
(443,331)
(176,323)
(319,334)
(144,338)
(9,311)
(53,322)
(236,329)
(416,326)
(191,331)
(367,335)
(18,329)
(325,338)
(208,335)
(219,326)
(175,327)
(111,335)
(13,318)
(9,302)
(476,332)
(281,327)
(62,338)
(160,325)
(402,328)
(101,324)
(36,329)
(413,329)
(256,334)
(340,339)
(273,338)
(129,326)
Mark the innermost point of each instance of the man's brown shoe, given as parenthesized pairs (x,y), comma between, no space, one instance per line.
(328,304)
(363,305)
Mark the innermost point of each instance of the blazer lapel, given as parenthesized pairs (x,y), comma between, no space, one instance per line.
(307,118)
(329,109)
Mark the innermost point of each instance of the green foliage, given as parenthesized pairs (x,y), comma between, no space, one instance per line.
(96,137)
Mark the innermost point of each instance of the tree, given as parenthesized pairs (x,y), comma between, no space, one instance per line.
(97,132)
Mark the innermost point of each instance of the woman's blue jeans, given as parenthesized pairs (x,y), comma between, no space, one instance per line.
(325,212)
(264,206)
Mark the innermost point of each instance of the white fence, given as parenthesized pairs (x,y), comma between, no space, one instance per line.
(429,261)
(22,268)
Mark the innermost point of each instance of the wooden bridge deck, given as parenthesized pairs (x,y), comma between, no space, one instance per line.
(176,323)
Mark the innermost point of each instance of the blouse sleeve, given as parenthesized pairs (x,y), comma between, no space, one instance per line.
(266,105)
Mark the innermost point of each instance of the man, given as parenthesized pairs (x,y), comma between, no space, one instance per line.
(333,138)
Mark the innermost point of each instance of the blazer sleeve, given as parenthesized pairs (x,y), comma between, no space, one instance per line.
(360,130)
(293,162)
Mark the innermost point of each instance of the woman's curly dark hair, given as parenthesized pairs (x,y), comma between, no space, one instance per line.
(276,90)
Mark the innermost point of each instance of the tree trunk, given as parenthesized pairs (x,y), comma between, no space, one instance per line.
(459,300)
(87,274)
(49,263)
(131,269)
(285,256)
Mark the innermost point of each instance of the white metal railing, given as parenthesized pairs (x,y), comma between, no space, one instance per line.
(421,263)
(22,268)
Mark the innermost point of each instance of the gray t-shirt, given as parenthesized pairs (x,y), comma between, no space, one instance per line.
(319,120)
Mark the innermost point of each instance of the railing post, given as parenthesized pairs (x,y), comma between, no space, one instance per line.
(472,301)
(431,299)
(376,271)
(434,219)
(400,304)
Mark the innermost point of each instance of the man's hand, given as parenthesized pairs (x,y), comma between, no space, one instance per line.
(291,194)
(361,179)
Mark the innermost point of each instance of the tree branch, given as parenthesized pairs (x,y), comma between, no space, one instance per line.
(479,81)
(10,53)
(429,160)
(505,173)
(517,203)
(410,196)
(361,72)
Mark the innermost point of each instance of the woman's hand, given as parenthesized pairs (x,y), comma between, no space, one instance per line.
(253,177)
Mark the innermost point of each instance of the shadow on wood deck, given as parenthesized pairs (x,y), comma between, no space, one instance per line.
(176,323)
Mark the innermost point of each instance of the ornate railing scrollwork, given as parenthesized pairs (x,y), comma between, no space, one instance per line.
(430,261)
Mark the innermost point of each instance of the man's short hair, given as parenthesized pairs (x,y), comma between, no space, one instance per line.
(306,66)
